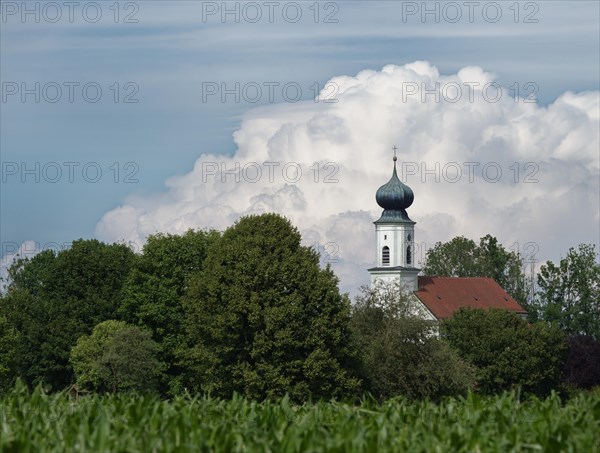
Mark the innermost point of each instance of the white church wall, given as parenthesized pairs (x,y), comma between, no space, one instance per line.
(408,279)
(395,237)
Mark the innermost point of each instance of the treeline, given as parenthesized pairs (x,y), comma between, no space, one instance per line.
(251,311)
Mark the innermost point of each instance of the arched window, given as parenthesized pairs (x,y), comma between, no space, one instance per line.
(385,256)
(408,238)
(408,255)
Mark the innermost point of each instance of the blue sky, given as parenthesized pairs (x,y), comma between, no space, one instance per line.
(169,54)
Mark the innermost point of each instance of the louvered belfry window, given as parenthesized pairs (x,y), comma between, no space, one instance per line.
(385,256)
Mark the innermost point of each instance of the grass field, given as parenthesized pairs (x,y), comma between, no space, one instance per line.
(34,422)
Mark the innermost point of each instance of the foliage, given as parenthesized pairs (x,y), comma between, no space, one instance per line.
(9,339)
(462,257)
(569,293)
(582,367)
(507,350)
(152,294)
(31,273)
(400,351)
(40,423)
(264,319)
(116,357)
(53,299)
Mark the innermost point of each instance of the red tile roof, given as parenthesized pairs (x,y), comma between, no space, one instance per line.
(444,295)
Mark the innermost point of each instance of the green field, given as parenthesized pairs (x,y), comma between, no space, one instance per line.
(34,422)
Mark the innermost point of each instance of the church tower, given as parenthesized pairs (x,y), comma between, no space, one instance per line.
(395,235)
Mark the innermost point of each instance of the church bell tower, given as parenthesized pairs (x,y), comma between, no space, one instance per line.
(395,235)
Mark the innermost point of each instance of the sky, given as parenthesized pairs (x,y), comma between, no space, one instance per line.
(120,120)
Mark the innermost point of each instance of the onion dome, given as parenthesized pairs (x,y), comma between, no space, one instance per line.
(394,197)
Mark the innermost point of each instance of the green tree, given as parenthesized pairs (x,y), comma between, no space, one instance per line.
(400,351)
(152,294)
(24,318)
(582,366)
(9,339)
(116,357)
(264,319)
(31,273)
(507,350)
(462,257)
(569,293)
(457,258)
(54,298)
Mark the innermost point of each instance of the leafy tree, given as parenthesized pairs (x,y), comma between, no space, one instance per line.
(462,257)
(53,299)
(23,316)
(264,319)
(582,367)
(152,294)
(457,258)
(31,273)
(116,357)
(569,293)
(9,338)
(400,351)
(28,320)
(507,350)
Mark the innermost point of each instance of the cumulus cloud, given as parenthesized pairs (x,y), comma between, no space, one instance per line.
(479,161)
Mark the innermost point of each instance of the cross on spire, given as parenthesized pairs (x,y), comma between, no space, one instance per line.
(394,148)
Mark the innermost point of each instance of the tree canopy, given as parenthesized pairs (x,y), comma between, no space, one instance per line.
(264,319)
(251,311)
(54,298)
(569,293)
(152,294)
(582,366)
(9,339)
(462,257)
(506,350)
(116,357)
(400,351)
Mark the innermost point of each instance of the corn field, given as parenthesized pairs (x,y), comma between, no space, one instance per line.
(35,422)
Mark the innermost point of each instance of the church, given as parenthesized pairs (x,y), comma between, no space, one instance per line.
(435,298)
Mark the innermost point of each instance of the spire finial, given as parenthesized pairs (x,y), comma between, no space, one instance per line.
(395,158)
